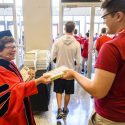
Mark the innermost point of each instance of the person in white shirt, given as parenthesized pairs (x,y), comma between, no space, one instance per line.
(65,51)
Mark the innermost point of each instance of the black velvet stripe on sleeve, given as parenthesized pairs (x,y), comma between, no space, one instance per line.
(4,99)
(3,87)
(4,108)
(27,109)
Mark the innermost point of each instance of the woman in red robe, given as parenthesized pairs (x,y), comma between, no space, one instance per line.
(15,108)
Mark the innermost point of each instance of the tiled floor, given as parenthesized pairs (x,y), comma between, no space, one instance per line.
(80,107)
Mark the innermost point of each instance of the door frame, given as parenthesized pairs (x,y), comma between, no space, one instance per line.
(81,4)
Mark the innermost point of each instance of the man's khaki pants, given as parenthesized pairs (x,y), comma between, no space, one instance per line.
(96,119)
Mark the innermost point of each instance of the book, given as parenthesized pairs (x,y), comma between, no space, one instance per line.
(25,74)
(56,73)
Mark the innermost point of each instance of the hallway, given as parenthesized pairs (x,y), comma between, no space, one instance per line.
(80,108)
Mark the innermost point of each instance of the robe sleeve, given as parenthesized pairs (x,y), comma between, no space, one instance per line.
(26,88)
(17,92)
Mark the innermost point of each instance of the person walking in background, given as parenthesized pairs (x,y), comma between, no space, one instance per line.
(85,52)
(102,39)
(82,41)
(108,84)
(95,37)
(15,108)
(66,50)
(76,36)
(79,38)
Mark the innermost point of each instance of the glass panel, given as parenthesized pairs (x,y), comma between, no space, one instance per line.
(20,55)
(9,18)
(1,27)
(1,1)
(1,18)
(88,19)
(80,0)
(8,1)
(11,28)
(19,3)
(7,11)
(67,18)
(55,19)
(55,31)
(6,19)
(98,19)
(81,20)
(78,14)
(96,28)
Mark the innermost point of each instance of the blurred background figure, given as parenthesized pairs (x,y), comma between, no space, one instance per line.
(95,37)
(57,36)
(65,51)
(76,36)
(101,40)
(85,53)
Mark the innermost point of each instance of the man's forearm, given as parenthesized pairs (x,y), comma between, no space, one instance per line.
(84,82)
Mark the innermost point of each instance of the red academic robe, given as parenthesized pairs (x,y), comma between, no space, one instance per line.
(14,105)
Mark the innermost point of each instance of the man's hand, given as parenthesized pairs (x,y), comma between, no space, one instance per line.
(68,74)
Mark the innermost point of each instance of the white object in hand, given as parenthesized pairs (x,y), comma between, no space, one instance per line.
(56,73)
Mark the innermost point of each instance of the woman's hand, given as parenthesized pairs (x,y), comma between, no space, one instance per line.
(43,79)
(31,72)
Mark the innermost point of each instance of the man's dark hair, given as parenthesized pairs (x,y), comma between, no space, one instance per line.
(75,31)
(103,30)
(113,5)
(69,26)
(87,34)
(4,40)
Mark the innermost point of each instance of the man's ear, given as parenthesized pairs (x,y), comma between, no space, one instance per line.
(120,16)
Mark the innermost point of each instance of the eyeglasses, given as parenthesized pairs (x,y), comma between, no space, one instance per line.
(10,47)
(108,14)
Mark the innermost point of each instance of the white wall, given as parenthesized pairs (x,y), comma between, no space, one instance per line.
(37,24)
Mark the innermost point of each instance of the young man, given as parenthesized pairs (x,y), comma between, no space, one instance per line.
(76,36)
(85,53)
(66,50)
(15,108)
(108,85)
(102,39)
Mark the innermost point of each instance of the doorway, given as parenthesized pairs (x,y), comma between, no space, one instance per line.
(89,16)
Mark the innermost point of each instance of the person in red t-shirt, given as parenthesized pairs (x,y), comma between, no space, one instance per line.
(85,51)
(80,39)
(108,84)
(102,39)
(76,36)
